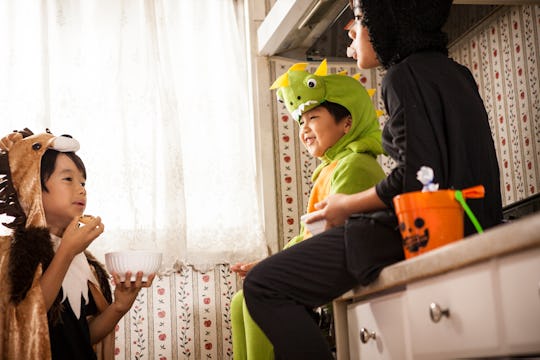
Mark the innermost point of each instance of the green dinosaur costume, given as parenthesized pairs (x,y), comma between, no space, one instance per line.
(347,167)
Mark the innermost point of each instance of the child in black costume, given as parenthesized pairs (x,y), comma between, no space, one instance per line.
(436,118)
(55,296)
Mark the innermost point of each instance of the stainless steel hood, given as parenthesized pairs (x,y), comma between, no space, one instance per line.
(292,26)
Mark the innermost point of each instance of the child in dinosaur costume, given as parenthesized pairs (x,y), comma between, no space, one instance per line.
(55,299)
(347,166)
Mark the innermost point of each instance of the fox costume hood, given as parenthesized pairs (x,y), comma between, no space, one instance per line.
(28,251)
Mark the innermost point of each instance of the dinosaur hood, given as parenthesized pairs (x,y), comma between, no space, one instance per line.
(398,28)
(20,166)
(302,91)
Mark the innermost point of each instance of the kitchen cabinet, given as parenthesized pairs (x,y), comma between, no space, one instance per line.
(519,279)
(475,298)
(377,328)
(453,315)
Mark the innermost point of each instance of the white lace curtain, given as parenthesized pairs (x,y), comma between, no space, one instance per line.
(157,94)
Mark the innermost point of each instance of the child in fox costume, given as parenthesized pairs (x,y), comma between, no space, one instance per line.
(55,299)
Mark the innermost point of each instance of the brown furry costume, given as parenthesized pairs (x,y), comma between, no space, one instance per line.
(28,251)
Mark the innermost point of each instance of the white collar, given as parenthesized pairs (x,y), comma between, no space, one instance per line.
(75,281)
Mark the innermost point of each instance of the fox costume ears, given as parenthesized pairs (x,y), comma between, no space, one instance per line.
(20,166)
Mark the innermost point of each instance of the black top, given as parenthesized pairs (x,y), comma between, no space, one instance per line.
(70,337)
(437,119)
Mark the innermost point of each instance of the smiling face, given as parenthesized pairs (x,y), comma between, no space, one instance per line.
(319,130)
(64,194)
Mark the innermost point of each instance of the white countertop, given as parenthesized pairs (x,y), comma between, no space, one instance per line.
(507,238)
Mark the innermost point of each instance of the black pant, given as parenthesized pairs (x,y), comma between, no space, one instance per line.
(281,290)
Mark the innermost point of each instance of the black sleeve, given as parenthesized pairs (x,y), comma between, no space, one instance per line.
(394,132)
(409,136)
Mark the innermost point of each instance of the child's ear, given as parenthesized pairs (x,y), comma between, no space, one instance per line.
(348,124)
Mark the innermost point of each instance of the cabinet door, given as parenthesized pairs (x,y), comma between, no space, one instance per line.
(519,277)
(453,315)
(376,329)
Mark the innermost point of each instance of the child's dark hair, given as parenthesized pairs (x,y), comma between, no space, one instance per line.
(48,163)
(339,112)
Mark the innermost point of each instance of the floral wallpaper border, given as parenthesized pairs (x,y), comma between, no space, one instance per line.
(184,315)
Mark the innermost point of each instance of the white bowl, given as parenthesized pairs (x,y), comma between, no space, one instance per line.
(134,261)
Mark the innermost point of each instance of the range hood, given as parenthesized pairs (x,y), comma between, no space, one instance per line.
(292,26)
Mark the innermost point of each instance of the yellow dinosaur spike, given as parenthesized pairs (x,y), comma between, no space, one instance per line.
(298,67)
(322,70)
(371,92)
(281,81)
(356,76)
(379,113)
(342,72)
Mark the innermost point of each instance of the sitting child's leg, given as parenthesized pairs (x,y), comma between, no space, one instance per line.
(249,342)
(258,345)
(237,327)
(282,289)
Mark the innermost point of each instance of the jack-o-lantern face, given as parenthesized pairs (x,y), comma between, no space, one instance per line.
(415,236)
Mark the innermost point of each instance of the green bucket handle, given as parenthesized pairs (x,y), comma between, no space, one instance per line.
(474,192)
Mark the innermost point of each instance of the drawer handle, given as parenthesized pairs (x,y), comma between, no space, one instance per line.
(436,312)
(365,335)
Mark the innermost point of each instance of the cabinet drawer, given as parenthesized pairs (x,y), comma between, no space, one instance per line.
(519,277)
(376,329)
(469,328)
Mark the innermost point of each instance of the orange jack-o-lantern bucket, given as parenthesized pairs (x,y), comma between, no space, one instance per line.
(428,220)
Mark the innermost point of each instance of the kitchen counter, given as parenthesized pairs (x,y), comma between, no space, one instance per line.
(517,236)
